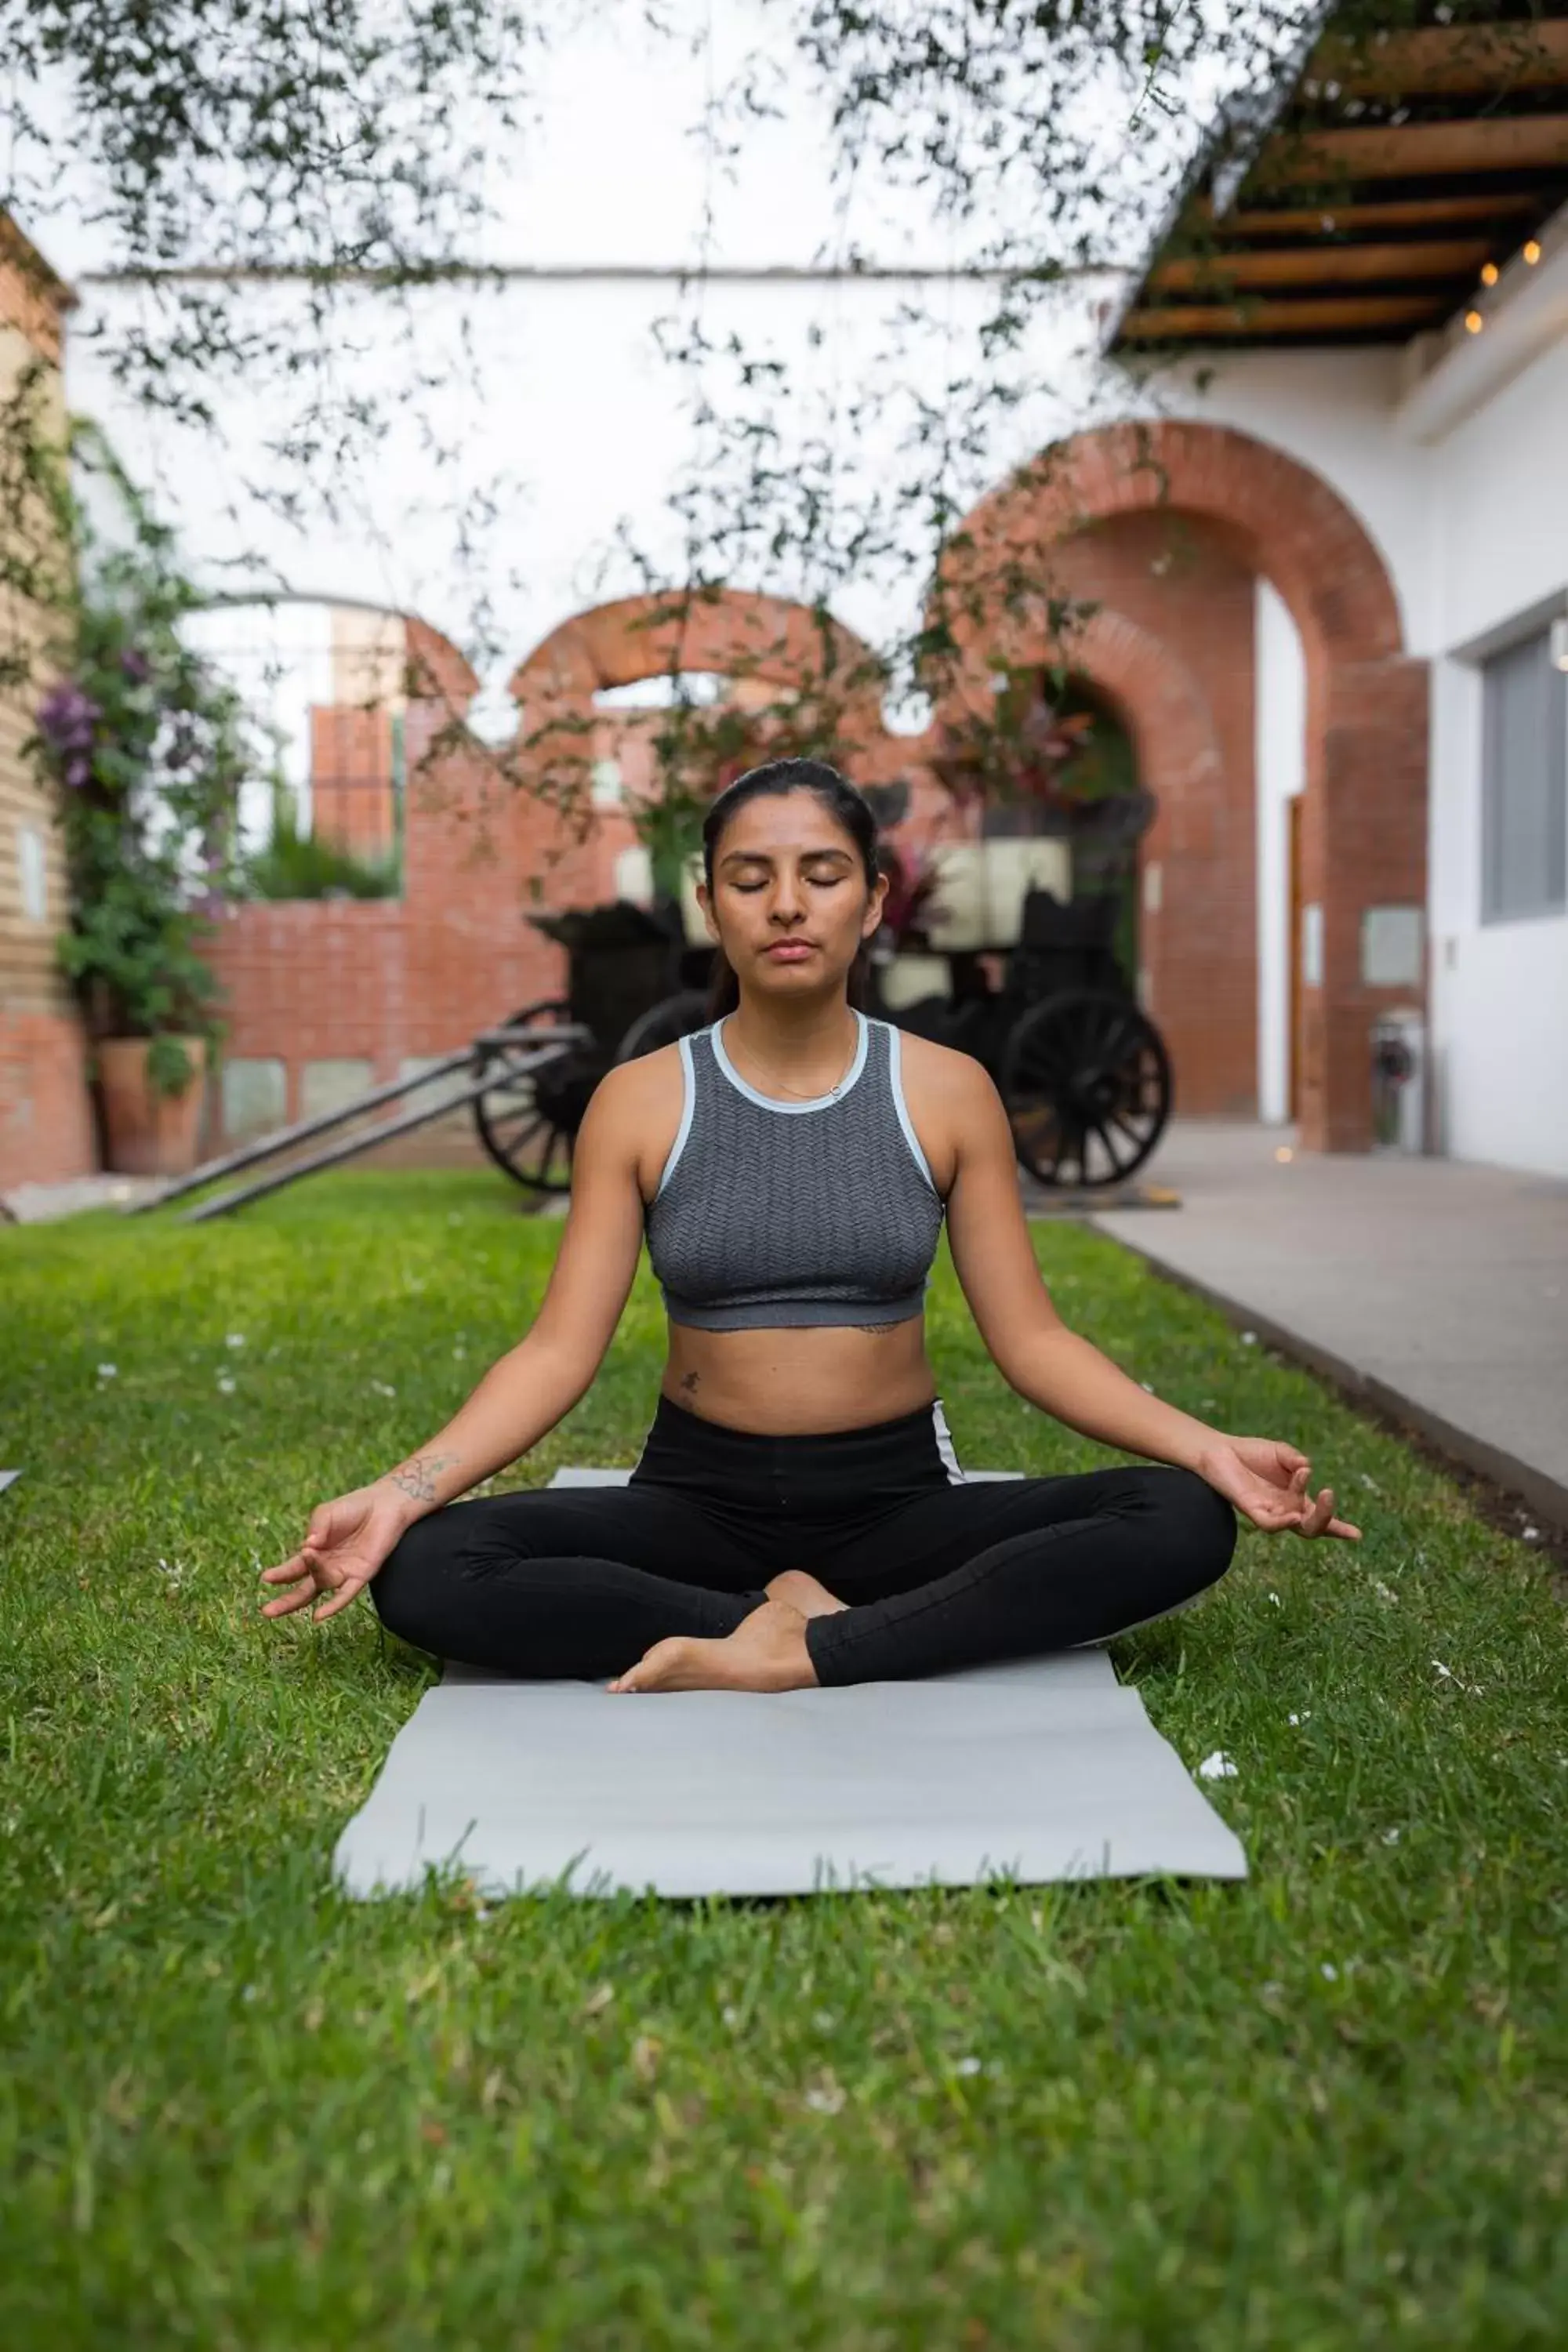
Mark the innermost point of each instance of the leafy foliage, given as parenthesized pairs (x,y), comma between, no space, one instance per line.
(345,153)
(296,865)
(144,750)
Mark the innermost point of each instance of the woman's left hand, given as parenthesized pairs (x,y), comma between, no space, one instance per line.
(1266,1480)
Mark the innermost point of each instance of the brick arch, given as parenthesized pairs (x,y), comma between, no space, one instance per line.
(727,631)
(1197,945)
(437,670)
(1296,528)
(1364,816)
(1157,700)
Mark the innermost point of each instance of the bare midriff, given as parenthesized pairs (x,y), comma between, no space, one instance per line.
(800,1383)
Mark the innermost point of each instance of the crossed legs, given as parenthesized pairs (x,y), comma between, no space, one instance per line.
(641,1586)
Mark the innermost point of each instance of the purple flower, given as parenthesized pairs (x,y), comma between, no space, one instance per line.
(137,667)
(67,718)
(78,771)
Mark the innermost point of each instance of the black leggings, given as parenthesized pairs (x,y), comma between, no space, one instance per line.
(937,1574)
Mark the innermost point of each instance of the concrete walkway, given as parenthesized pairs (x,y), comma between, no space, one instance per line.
(1438,1290)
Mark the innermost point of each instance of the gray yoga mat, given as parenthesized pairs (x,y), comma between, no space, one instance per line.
(1046,1768)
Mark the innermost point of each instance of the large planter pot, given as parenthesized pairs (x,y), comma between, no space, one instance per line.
(149,1134)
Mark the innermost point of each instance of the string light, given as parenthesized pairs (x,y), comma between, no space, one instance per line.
(1488,273)
(1532,252)
(1474,322)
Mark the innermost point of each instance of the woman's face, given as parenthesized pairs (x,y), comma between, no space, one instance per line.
(789,904)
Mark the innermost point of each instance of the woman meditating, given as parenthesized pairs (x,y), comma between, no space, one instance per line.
(796,1515)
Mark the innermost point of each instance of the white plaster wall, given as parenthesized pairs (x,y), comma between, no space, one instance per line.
(1281,717)
(1473,525)
(1500,991)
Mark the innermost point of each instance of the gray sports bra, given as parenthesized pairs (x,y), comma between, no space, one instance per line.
(774,1214)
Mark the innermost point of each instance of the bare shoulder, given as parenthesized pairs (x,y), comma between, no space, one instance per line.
(952,1105)
(942,1077)
(635,1111)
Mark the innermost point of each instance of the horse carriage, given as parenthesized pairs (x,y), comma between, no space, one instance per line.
(1009,964)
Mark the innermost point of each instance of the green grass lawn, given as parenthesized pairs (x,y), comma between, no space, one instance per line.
(1322,2109)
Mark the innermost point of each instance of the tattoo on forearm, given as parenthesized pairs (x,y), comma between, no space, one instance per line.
(417,1477)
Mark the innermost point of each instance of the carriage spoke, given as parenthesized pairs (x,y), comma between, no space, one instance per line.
(1087,1087)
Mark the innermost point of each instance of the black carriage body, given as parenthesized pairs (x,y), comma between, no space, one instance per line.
(1082,1070)
(634,983)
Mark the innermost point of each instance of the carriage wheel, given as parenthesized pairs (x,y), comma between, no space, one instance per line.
(1087,1082)
(674,1017)
(528,1119)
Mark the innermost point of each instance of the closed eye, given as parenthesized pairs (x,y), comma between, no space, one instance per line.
(822,881)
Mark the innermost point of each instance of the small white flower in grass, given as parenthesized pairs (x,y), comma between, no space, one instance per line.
(234,1340)
(1328,1970)
(1147,1387)
(1274,1597)
(1531,1535)
(1391,1837)
(1383,1591)
(383,1388)
(250,1993)
(1249,1338)
(458,1353)
(967,2066)
(1218,1767)
(108,1371)
(827,2100)
(730,2014)
(1305,1717)
(226,1384)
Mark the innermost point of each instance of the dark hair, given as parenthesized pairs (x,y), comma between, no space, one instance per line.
(846,806)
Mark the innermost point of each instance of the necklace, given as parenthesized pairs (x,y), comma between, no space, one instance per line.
(794,1094)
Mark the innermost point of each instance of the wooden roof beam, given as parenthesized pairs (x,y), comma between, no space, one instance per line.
(1322,264)
(1409,212)
(1441,61)
(1413,151)
(1394,314)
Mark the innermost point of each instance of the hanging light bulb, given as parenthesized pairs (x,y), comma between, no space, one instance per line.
(1488,273)
(1532,252)
(1474,322)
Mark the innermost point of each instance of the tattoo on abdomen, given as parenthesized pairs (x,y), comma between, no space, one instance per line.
(691,1381)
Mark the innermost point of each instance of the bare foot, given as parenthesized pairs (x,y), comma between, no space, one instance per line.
(801,1591)
(766,1651)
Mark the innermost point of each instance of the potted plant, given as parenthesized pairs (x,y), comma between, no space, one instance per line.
(144,748)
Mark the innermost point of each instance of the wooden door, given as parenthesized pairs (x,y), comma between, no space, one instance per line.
(1293,1020)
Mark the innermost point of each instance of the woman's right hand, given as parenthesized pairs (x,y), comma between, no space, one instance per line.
(347,1540)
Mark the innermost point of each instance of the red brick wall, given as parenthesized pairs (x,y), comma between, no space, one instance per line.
(1162,527)
(384,981)
(1363,818)
(46,1130)
(1185,667)
(351,777)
